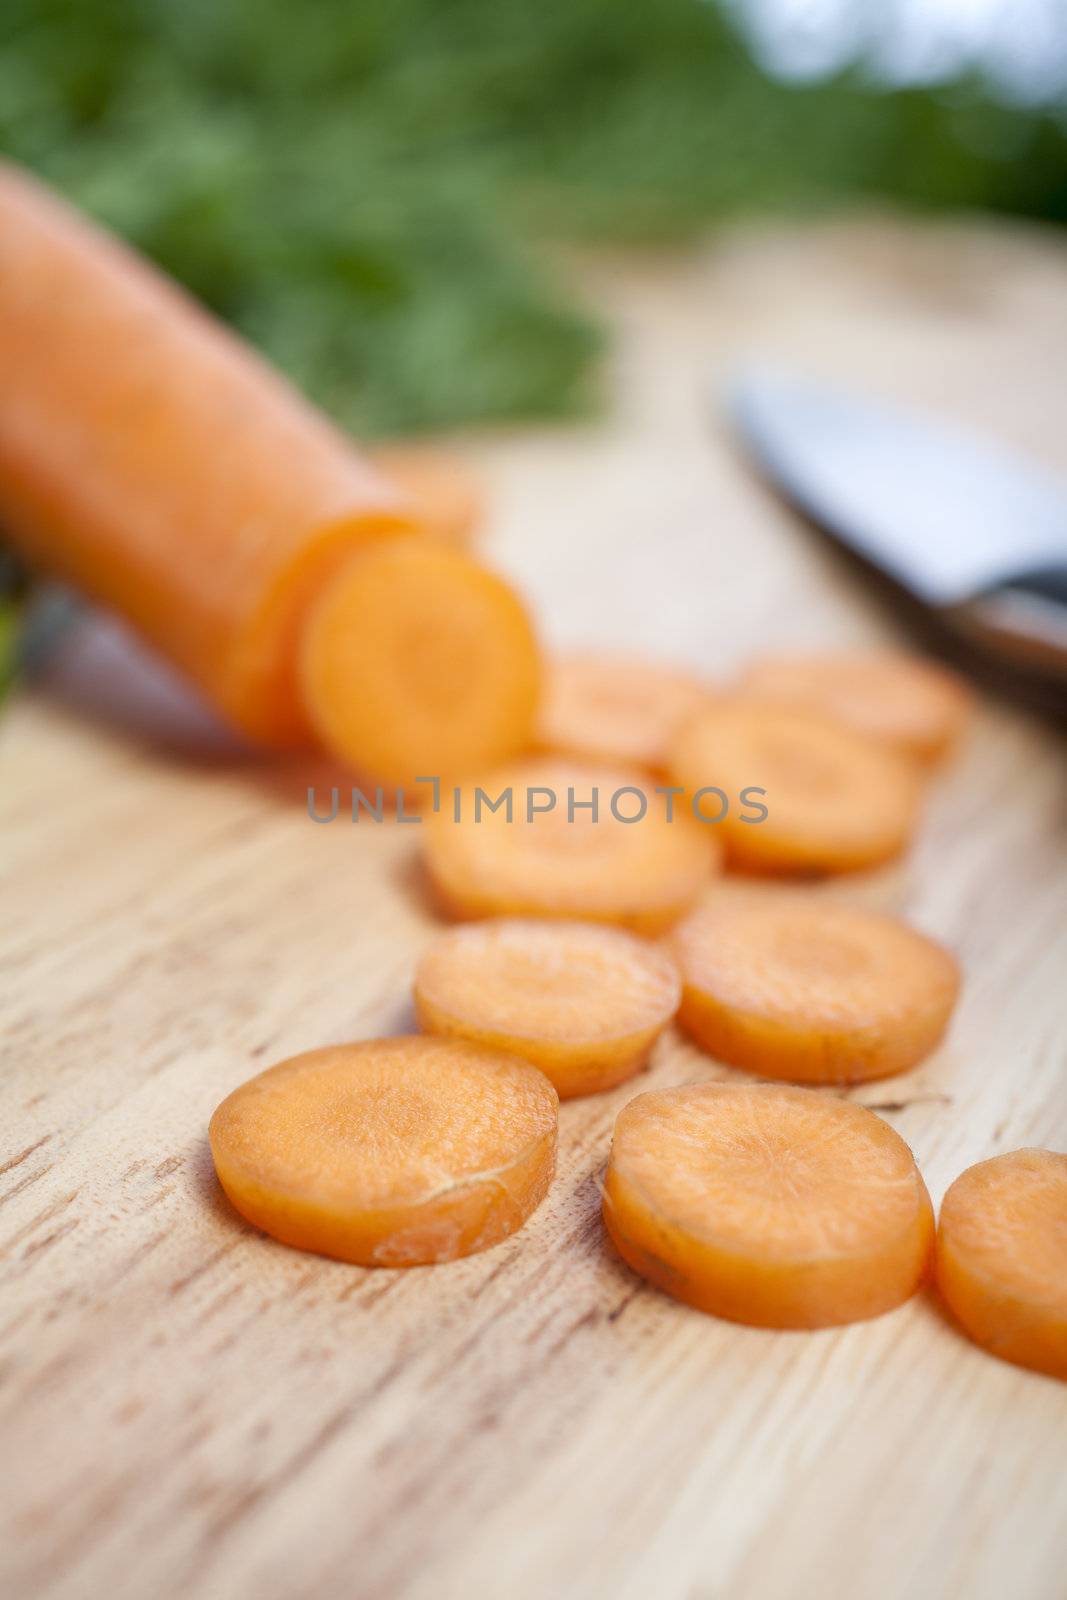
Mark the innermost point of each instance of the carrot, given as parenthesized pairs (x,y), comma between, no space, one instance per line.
(768,1205)
(1002,1257)
(617,708)
(791,985)
(446,499)
(150,459)
(916,706)
(551,858)
(393,1153)
(835,801)
(583,1003)
(417,661)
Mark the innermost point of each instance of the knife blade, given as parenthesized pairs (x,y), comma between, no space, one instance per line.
(975,533)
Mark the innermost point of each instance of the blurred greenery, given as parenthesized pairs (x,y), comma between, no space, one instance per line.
(363,186)
(13,590)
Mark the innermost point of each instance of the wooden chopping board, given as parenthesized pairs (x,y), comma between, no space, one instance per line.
(188,1409)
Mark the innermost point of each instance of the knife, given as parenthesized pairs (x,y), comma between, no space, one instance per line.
(977,536)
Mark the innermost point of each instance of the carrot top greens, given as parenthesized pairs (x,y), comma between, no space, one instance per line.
(356,186)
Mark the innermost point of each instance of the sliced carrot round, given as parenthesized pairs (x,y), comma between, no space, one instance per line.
(583,1003)
(912,704)
(617,708)
(393,1153)
(835,800)
(792,985)
(548,856)
(769,1205)
(417,661)
(445,497)
(1002,1257)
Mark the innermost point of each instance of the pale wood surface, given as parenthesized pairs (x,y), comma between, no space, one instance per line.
(189,1409)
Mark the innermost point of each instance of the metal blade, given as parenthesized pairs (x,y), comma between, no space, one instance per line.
(945,513)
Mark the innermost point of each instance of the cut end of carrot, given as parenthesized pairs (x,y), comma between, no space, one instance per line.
(583,1003)
(639,864)
(916,706)
(835,800)
(795,986)
(260,690)
(445,497)
(620,709)
(417,661)
(1002,1257)
(396,1153)
(768,1205)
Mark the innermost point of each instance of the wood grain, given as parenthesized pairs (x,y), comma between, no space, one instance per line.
(188,1408)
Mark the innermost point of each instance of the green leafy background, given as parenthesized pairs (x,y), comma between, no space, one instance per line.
(366,188)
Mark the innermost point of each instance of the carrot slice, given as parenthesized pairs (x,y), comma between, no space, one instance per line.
(583,1003)
(550,857)
(393,1153)
(152,460)
(835,801)
(1002,1257)
(768,1205)
(419,662)
(912,704)
(791,985)
(617,708)
(445,496)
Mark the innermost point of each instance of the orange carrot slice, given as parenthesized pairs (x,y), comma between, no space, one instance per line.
(419,662)
(152,460)
(768,1205)
(835,801)
(446,499)
(912,704)
(550,857)
(1002,1257)
(393,1153)
(617,708)
(583,1003)
(795,986)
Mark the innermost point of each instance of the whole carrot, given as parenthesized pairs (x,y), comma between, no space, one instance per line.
(151,459)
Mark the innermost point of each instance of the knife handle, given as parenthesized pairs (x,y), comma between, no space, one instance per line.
(1023,622)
